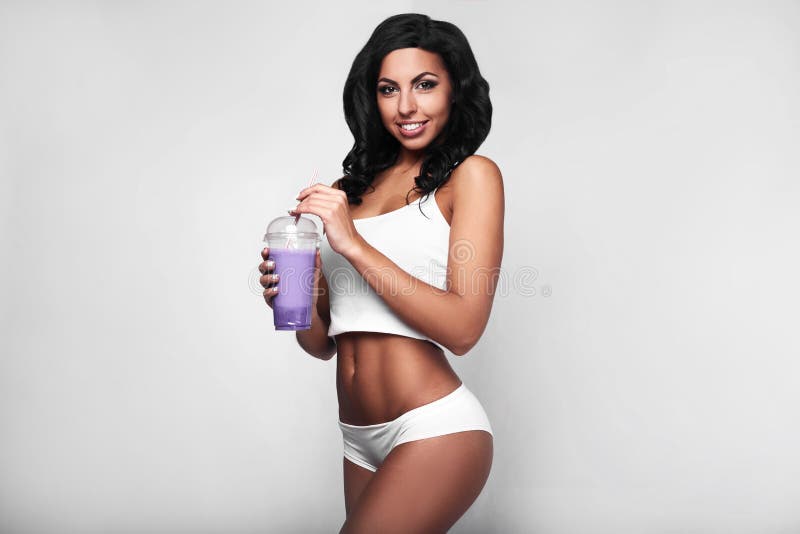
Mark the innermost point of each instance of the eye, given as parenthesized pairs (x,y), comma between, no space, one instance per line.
(385,89)
(426,84)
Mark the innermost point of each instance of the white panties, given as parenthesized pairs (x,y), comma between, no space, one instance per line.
(457,411)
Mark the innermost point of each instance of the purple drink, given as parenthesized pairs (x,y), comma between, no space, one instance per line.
(293,246)
(295,270)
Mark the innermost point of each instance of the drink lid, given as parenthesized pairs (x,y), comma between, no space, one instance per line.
(285,227)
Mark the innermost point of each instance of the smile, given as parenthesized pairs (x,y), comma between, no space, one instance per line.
(412,129)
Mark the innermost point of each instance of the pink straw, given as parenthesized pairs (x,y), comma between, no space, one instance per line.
(312,182)
(297,217)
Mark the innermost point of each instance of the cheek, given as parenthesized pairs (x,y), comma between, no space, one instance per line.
(443,116)
(384,112)
(440,107)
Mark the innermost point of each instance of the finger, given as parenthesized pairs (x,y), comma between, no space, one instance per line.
(270,292)
(266,266)
(318,207)
(328,193)
(316,188)
(324,192)
(268,280)
(265,253)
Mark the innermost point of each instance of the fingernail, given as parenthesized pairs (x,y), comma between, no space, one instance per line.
(270,263)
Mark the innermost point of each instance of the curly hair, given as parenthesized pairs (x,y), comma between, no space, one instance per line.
(374,148)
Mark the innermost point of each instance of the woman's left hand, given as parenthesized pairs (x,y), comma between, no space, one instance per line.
(330,205)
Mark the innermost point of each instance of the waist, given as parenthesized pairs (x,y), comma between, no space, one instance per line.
(381,376)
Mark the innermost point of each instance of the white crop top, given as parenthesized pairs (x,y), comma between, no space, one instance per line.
(416,243)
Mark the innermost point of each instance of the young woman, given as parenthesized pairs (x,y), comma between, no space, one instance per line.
(399,278)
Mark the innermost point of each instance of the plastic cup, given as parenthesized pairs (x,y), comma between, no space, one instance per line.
(293,248)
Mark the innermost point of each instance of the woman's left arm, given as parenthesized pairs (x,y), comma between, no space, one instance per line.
(457,316)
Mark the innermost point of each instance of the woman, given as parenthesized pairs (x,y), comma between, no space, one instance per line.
(417,443)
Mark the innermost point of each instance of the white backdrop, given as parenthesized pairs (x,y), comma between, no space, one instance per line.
(639,368)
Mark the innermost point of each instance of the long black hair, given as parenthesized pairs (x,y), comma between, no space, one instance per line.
(374,148)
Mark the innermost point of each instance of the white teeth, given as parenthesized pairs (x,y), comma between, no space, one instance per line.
(413,126)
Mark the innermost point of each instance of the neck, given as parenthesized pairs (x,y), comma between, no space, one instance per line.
(406,160)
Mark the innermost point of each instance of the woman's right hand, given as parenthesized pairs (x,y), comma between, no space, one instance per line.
(268,280)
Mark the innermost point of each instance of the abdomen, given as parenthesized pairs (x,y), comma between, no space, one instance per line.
(381,376)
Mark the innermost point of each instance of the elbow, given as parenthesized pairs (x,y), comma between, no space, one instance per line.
(330,351)
(459,351)
(468,333)
(316,346)
(464,344)
(467,338)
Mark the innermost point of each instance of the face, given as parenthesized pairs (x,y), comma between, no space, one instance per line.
(414,90)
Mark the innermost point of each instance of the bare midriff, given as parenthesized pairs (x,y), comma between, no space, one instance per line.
(381,376)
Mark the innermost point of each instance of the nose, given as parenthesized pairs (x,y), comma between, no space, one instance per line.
(406,104)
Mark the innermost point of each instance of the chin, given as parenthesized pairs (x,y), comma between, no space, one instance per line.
(415,144)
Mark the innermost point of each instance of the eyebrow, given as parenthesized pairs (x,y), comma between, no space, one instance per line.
(415,80)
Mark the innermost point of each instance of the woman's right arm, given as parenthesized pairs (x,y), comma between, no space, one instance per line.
(316,341)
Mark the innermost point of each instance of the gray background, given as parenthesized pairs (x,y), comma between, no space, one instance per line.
(639,369)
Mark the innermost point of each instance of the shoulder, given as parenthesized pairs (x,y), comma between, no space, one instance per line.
(478,164)
(477,188)
(477,175)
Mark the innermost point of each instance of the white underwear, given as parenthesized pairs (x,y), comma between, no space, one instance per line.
(457,411)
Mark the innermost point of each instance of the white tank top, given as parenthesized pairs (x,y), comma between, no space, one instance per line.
(416,243)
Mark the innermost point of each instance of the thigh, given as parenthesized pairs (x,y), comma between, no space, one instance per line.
(355,480)
(424,486)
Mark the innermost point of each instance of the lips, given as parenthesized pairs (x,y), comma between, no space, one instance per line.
(412,132)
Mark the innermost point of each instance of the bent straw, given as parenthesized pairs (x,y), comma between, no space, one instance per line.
(312,182)
(297,217)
